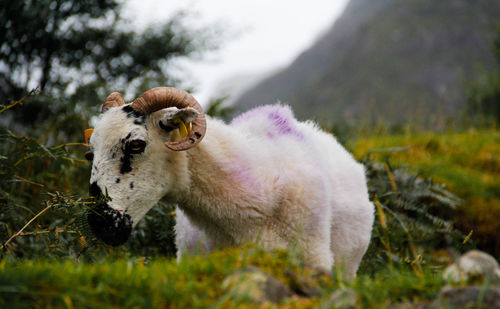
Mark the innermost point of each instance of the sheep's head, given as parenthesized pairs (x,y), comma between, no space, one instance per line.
(133,152)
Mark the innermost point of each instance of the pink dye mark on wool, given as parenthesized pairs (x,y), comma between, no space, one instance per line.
(281,119)
(283,122)
(243,174)
(258,112)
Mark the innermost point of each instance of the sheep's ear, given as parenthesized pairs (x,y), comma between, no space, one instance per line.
(173,118)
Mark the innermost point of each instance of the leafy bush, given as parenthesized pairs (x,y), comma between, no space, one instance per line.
(483,97)
(43,205)
(467,162)
(35,184)
(413,218)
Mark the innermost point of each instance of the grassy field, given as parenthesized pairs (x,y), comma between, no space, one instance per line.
(467,162)
(197,282)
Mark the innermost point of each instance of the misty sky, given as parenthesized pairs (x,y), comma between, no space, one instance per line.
(266,35)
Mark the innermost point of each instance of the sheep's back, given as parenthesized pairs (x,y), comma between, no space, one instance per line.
(269,121)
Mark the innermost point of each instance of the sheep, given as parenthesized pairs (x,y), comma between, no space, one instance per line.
(264,178)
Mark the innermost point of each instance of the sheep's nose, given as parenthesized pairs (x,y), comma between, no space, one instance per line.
(109,225)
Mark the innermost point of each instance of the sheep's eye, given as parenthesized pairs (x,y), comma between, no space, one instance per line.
(136,146)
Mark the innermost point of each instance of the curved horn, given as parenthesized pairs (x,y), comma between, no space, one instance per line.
(162,97)
(114,99)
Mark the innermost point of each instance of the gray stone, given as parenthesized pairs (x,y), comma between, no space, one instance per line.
(341,298)
(301,286)
(473,265)
(468,297)
(255,286)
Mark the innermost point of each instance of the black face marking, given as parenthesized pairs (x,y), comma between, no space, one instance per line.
(140,121)
(117,180)
(131,112)
(198,135)
(94,190)
(131,185)
(126,166)
(109,225)
(130,148)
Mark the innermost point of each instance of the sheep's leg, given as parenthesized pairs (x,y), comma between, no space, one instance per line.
(348,261)
(350,238)
(315,241)
(188,238)
(320,256)
(352,261)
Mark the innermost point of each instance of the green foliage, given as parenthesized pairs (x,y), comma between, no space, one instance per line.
(90,37)
(413,218)
(467,162)
(197,282)
(31,178)
(216,108)
(392,285)
(483,98)
(154,235)
(193,283)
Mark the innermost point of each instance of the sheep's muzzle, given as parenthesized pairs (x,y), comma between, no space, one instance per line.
(109,225)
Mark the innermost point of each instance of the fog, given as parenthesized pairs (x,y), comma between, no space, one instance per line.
(262,36)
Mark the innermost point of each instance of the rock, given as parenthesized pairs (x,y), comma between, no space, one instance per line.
(468,297)
(341,298)
(474,265)
(453,274)
(301,286)
(255,286)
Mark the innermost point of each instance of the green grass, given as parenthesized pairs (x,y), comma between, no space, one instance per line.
(467,162)
(194,283)
(133,282)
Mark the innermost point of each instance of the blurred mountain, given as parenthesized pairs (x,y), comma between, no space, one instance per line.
(388,60)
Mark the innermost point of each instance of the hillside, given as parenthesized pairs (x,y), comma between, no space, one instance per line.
(468,163)
(388,60)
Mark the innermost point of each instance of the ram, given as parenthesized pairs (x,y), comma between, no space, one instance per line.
(265,178)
